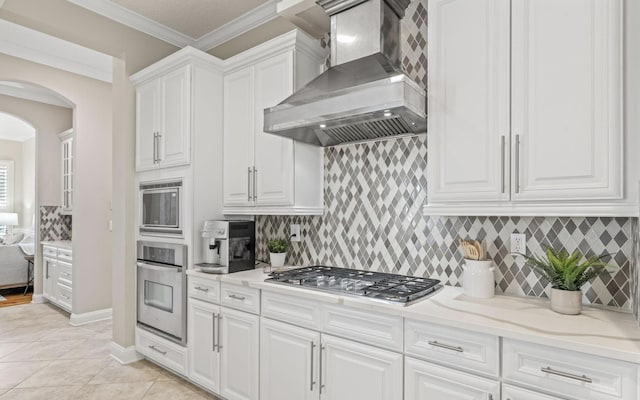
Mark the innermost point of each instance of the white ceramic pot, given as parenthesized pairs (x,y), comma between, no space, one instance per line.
(277,259)
(478,279)
(566,301)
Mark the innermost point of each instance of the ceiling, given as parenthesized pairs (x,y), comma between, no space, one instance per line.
(12,128)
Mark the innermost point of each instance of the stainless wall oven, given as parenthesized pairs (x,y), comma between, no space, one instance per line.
(162,289)
(160,207)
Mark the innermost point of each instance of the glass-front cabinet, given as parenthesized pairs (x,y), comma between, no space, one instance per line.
(66,178)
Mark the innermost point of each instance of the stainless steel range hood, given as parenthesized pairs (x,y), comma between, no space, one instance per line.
(364,95)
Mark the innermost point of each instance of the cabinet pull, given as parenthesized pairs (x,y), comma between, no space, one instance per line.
(446,346)
(65,273)
(154,348)
(322,348)
(213,333)
(233,296)
(255,185)
(219,323)
(158,147)
(248,183)
(155,147)
(517,164)
(502,159)
(313,346)
(581,378)
(201,289)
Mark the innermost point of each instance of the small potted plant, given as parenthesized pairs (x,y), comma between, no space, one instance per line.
(567,274)
(278,251)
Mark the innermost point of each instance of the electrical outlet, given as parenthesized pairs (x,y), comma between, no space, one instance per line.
(295,234)
(519,243)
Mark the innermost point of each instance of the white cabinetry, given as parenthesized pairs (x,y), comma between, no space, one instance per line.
(515,393)
(511,132)
(223,348)
(58,276)
(163,130)
(264,173)
(424,380)
(67,172)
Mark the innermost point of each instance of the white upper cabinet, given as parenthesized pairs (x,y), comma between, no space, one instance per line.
(67,170)
(567,99)
(525,108)
(264,173)
(163,131)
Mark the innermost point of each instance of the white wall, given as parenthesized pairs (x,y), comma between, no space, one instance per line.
(28,183)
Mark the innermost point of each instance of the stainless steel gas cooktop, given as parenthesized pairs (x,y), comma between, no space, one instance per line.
(389,288)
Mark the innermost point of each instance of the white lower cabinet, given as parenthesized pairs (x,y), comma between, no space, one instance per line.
(57,285)
(223,350)
(424,380)
(514,393)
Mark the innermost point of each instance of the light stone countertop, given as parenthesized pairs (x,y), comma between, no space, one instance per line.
(62,244)
(596,331)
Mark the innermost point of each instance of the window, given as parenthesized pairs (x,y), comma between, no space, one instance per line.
(6,189)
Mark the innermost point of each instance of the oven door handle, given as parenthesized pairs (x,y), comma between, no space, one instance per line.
(158,268)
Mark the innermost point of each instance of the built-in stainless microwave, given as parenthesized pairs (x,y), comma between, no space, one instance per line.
(160,207)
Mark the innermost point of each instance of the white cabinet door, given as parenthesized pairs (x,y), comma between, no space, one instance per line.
(434,382)
(515,393)
(147,108)
(204,358)
(566,107)
(175,118)
(273,154)
(468,100)
(239,128)
(288,362)
(356,371)
(239,361)
(50,279)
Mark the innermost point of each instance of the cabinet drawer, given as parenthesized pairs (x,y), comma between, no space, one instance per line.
(297,311)
(162,351)
(515,393)
(567,373)
(240,297)
(204,289)
(65,255)
(475,352)
(48,251)
(368,327)
(65,273)
(64,297)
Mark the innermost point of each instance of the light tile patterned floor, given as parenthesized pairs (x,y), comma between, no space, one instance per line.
(43,357)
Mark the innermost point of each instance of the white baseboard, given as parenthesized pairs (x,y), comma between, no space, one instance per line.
(124,355)
(87,318)
(38,299)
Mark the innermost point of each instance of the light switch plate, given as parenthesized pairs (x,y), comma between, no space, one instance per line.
(294,233)
(519,243)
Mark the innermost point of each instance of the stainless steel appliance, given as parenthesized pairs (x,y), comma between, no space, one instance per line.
(365,95)
(162,289)
(388,288)
(160,204)
(229,246)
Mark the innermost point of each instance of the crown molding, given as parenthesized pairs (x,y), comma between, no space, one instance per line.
(258,16)
(244,23)
(135,21)
(21,42)
(179,58)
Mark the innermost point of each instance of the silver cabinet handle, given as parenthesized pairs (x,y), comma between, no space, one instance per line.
(155,147)
(248,183)
(490,396)
(517,164)
(255,185)
(446,346)
(213,333)
(154,348)
(201,289)
(502,159)
(313,346)
(233,296)
(66,297)
(219,340)
(158,147)
(581,378)
(322,348)
(65,273)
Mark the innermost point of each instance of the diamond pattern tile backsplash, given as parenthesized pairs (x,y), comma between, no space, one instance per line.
(374,193)
(54,225)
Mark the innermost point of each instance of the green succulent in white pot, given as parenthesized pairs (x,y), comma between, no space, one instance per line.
(278,251)
(566,273)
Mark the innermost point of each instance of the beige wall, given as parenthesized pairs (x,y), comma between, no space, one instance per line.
(12,151)
(28,183)
(92,122)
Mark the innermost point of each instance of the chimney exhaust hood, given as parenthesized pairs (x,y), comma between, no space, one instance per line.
(365,95)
